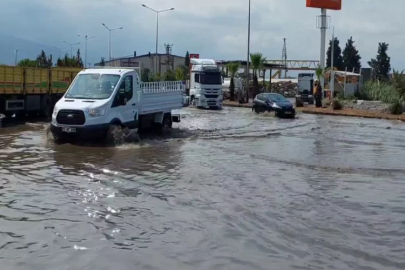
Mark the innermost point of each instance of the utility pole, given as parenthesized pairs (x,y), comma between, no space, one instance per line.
(157,31)
(248,59)
(16,57)
(71,47)
(109,38)
(86,38)
(332,73)
(284,57)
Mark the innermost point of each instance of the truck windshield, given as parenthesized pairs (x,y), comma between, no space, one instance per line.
(93,86)
(211,78)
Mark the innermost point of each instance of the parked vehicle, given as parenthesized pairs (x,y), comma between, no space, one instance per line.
(100,101)
(205,84)
(273,102)
(32,90)
(186,100)
(305,88)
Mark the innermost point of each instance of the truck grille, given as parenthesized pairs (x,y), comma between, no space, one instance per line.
(211,96)
(70,117)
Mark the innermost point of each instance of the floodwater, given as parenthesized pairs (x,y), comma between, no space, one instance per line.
(228,190)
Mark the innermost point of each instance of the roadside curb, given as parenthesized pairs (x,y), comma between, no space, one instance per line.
(385,117)
(237,105)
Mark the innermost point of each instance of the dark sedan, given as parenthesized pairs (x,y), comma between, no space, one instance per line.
(273,102)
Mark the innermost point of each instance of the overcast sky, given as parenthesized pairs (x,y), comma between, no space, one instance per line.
(215,29)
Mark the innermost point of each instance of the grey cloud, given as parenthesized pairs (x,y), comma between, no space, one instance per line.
(216,29)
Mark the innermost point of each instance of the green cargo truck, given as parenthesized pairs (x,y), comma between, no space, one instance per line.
(33,90)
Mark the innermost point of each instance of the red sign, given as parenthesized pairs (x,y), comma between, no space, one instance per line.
(328,4)
(194,55)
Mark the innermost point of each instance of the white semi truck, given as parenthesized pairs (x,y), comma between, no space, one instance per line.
(100,100)
(205,84)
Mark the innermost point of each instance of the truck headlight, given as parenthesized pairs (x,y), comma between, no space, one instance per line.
(96,112)
(55,112)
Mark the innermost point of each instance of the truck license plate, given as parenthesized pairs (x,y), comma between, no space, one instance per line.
(287,112)
(69,130)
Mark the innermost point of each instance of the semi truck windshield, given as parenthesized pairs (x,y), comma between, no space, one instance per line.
(211,78)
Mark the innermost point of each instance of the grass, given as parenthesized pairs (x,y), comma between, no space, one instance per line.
(392,92)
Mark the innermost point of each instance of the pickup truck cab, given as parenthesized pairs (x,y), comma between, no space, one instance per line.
(102,99)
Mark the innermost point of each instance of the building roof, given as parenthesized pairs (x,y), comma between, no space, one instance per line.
(143,55)
(243,63)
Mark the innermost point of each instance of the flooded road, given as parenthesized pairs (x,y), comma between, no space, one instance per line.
(228,190)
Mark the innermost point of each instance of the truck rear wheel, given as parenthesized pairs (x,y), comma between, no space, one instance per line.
(166,124)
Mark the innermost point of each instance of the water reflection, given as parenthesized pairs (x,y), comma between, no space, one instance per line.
(307,194)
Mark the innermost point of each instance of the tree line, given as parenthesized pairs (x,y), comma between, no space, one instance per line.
(349,58)
(44,61)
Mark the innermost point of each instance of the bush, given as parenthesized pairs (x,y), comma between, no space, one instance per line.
(336,105)
(379,90)
(326,102)
(397,107)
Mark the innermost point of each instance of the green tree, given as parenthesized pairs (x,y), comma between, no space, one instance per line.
(180,74)
(169,75)
(337,55)
(232,68)
(43,61)
(79,59)
(27,63)
(351,57)
(187,60)
(145,74)
(257,60)
(382,64)
(75,61)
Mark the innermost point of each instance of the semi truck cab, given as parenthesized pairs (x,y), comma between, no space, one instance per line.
(205,84)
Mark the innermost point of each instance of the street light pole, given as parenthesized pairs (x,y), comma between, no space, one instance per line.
(16,57)
(60,50)
(71,47)
(157,32)
(86,38)
(109,38)
(248,59)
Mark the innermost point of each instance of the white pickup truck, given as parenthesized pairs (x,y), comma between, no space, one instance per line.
(102,99)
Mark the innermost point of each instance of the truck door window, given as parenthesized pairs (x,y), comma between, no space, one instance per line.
(126,88)
(129,87)
(197,78)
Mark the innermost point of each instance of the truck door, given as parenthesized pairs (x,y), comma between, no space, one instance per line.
(127,110)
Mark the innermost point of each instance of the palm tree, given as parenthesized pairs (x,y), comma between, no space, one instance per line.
(257,60)
(232,68)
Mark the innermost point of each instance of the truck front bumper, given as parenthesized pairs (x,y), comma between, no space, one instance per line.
(85,132)
(209,103)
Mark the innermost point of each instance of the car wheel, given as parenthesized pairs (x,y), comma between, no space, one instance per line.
(257,110)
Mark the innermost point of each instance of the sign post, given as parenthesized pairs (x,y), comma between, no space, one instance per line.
(322,23)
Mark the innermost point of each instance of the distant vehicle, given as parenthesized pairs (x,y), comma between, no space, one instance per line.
(100,101)
(273,102)
(186,100)
(305,88)
(205,84)
(29,91)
